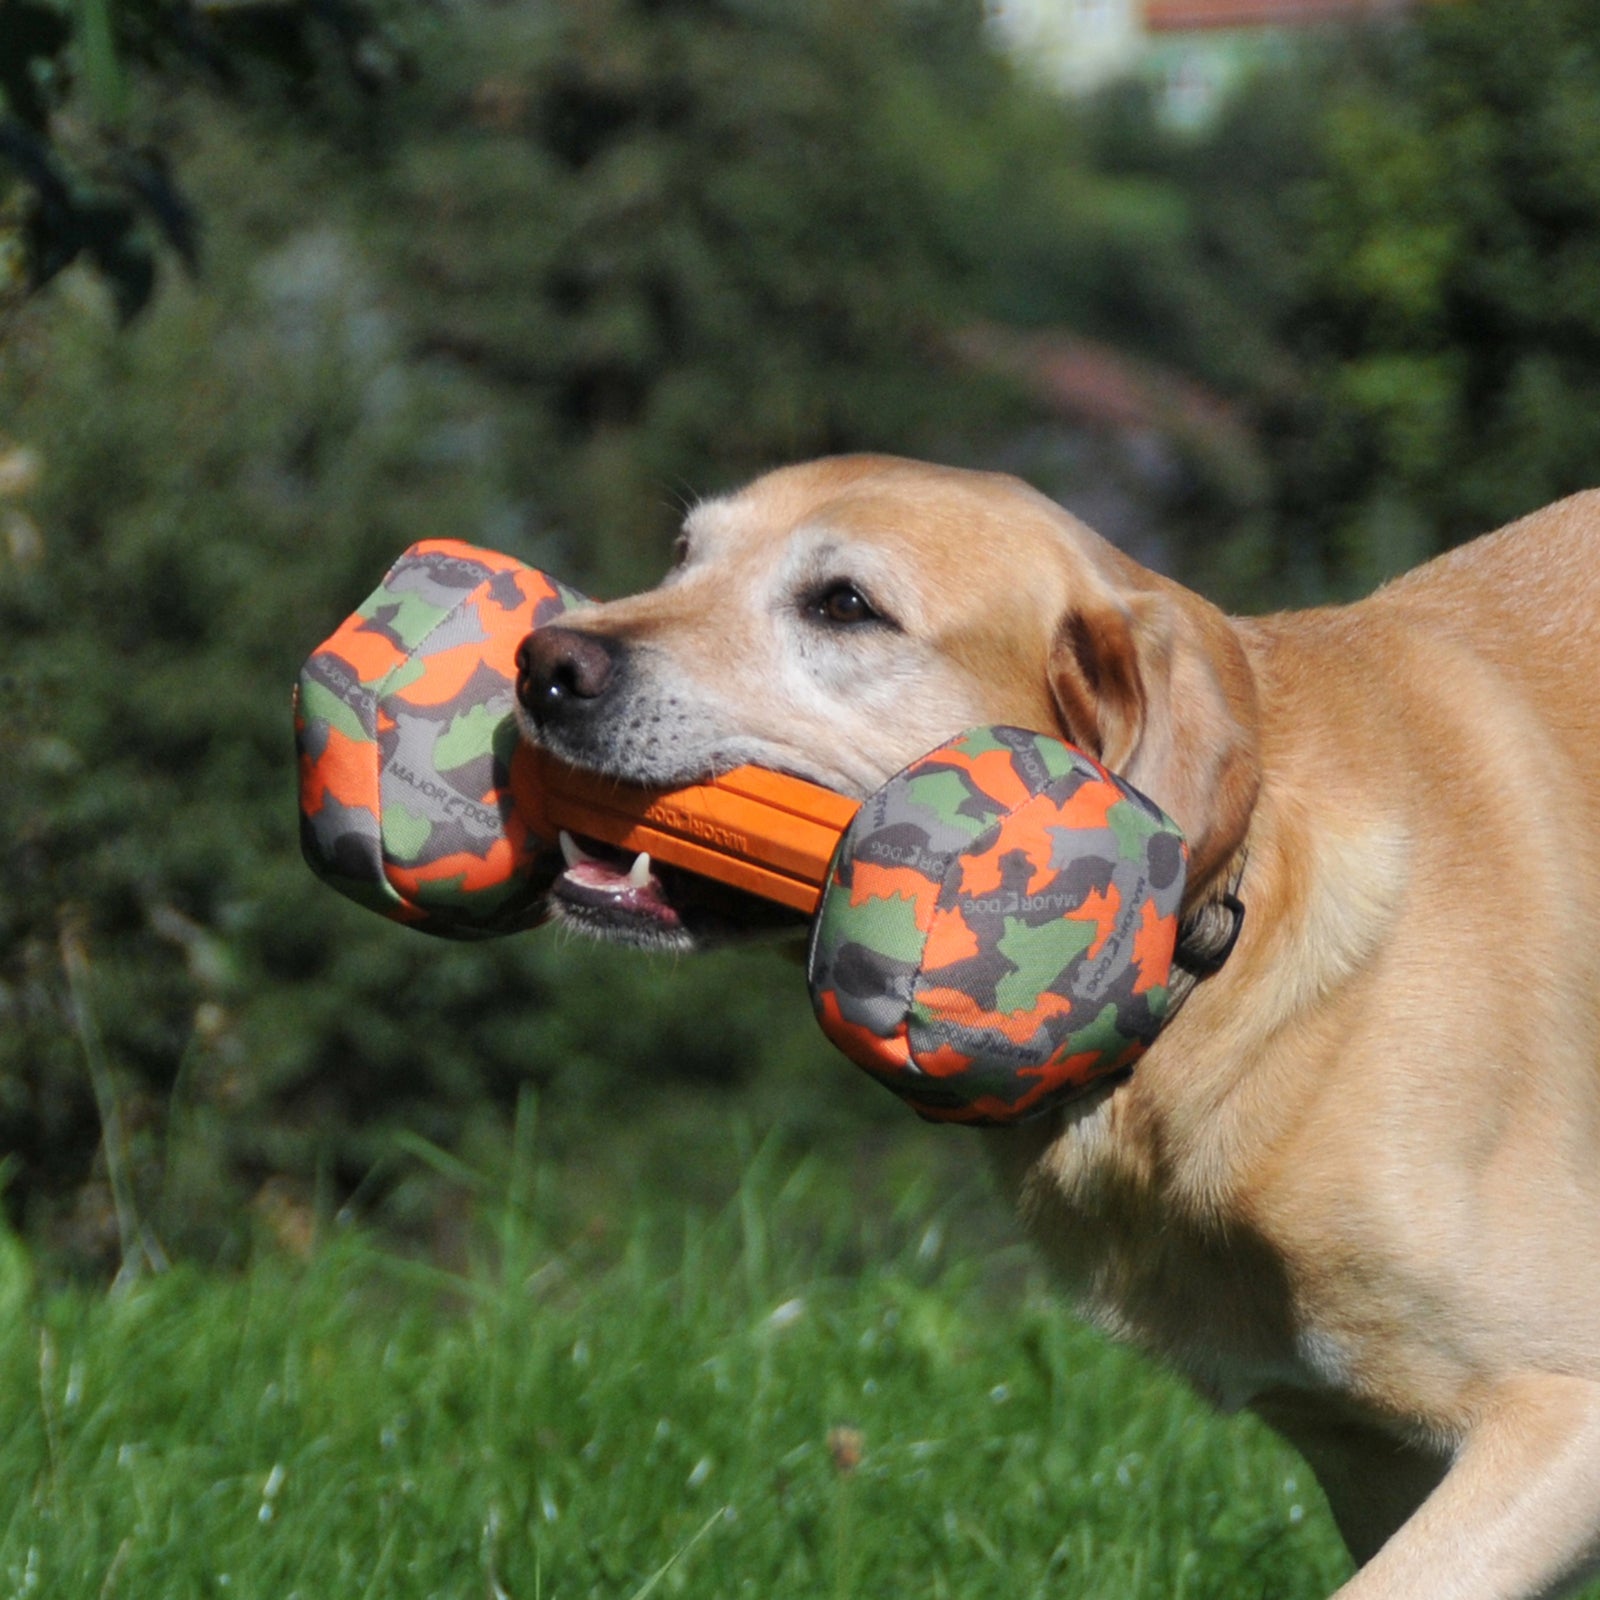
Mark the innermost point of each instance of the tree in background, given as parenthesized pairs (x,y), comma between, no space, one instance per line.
(594,251)
(84,172)
(682,243)
(1383,257)
(597,258)
(1438,346)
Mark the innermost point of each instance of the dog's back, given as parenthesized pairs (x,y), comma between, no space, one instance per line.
(1528,600)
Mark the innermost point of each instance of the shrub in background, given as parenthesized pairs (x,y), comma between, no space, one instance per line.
(599,258)
(501,326)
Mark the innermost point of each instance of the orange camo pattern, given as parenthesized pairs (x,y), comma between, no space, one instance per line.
(404,768)
(1042,965)
(369,655)
(872,881)
(869,1050)
(473,874)
(338,773)
(958,1007)
(993,774)
(1153,946)
(950,941)
(1102,907)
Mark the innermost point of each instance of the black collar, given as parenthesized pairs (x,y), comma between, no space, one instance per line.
(1206,938)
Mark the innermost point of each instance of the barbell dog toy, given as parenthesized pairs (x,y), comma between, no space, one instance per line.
(993,931)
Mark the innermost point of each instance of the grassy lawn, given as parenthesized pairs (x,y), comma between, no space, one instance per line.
(786,1398)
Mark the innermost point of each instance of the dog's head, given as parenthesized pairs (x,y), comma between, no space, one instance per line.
(838,619)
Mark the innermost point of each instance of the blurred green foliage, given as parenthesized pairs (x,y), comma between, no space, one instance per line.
(532,310)
(793,1395)
(1383,259)
(590,261)
(1437,321)
(84,174)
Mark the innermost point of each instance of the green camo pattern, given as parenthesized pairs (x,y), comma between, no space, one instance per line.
(405,724)
(998,927)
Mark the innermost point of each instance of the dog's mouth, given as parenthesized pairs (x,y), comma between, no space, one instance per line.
(627,898)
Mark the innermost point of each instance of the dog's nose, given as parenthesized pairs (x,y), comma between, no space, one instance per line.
(560,670)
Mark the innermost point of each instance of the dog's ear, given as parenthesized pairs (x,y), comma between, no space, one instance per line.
(1152,681)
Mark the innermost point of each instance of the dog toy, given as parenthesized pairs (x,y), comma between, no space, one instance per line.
(998,928)
(420,800)
(764,832)
(405,725)
(993,929)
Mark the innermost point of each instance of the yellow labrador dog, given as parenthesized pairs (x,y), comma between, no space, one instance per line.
(1355,1186)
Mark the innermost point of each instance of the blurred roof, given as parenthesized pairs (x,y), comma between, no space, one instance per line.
(1085,381)
(1175,16)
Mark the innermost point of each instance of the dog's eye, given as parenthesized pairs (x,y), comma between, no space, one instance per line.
(844,605)
(680,550)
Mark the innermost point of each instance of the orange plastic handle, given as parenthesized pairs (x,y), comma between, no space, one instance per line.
(760,831)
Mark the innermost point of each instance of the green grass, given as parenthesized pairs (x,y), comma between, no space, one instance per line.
(647,1412)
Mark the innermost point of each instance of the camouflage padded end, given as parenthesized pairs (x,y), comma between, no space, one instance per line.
(998,927)
(404,724)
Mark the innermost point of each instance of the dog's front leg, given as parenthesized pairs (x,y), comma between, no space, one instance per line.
(1516,1517)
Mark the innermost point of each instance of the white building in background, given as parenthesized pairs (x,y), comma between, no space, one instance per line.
(1078,45)
(1195,51)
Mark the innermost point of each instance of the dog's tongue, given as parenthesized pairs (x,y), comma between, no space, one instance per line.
(591,881)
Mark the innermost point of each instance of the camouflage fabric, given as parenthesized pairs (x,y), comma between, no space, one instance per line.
(404,724)
(998,927)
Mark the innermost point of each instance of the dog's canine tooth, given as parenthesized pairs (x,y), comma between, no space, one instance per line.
(572,852)
(639,872)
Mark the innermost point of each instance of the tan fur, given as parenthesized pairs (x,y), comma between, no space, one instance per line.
(1356,1184)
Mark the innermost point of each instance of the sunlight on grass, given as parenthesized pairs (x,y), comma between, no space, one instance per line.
(716,1407)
